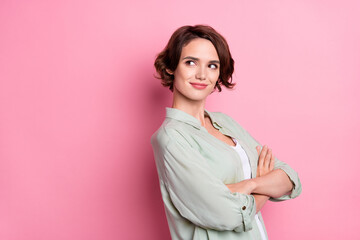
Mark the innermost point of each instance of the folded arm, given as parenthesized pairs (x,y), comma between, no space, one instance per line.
(274,184)
(279,184)
(269,182)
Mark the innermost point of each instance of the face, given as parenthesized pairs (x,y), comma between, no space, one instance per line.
(197,71)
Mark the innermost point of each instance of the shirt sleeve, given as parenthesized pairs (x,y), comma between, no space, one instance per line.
(198,194)
(294,178)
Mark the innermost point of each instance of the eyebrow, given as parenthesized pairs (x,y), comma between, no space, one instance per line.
(197,59)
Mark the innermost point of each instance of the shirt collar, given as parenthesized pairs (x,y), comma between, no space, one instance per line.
(182,116)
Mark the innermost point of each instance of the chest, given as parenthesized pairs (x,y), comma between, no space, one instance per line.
(223,160)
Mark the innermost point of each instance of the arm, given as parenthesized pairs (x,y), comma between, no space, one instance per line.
(197,194)
(265,165)
(293,177)
(260,201)
(291,173)
(273,183)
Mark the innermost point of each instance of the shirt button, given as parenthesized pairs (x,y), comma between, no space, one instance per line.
(243,208)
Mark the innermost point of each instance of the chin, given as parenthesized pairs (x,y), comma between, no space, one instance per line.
(199,97)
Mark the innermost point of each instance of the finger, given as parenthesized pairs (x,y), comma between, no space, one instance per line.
(263,152)
(258,172)
(267,159)
(261,167)
(258,149)
(262,156)
(272,162)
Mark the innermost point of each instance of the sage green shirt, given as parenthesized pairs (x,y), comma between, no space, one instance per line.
(193,168)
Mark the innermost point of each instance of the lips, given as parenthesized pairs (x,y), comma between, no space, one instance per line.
(199,85)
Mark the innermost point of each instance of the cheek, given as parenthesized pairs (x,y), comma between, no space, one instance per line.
(179,83)
(185,73)
(214,77)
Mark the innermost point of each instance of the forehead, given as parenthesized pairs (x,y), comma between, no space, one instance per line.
(200,48)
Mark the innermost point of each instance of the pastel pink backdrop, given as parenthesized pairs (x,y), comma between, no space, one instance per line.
(79,103)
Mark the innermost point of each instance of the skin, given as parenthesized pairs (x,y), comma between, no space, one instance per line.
(199,63)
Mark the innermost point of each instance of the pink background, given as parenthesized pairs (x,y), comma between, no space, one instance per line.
(78,104)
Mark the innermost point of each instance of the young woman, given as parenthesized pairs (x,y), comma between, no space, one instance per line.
(214,177)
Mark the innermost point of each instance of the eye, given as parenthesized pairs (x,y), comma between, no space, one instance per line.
(190,63)
(213,66)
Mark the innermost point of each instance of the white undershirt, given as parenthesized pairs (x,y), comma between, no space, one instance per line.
(247,175)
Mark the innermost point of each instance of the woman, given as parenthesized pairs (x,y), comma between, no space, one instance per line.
(214,177)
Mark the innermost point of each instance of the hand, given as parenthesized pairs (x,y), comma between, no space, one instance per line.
(245,187)
(266,161)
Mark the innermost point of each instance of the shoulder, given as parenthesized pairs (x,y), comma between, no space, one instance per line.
(169,131)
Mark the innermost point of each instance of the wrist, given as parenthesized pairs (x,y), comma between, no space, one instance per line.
(253,185)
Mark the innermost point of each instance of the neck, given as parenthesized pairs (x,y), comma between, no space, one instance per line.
(192,107)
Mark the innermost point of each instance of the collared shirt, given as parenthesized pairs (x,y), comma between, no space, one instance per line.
(194,166)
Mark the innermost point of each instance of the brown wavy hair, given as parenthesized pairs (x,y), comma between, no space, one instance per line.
(169,57)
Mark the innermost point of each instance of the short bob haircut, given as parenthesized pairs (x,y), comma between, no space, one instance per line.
(169,57)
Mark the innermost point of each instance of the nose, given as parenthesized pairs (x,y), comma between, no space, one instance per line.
(201,73)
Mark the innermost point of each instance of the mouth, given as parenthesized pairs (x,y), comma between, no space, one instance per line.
(199,85)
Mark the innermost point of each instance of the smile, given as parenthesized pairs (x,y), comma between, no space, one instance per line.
(199,85)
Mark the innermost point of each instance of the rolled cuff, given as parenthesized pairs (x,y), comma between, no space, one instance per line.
(248,211)
(294,178)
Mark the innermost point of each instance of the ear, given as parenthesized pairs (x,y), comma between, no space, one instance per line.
(169,71)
